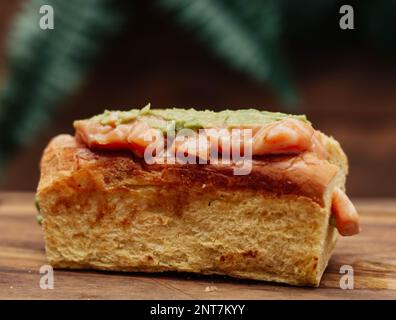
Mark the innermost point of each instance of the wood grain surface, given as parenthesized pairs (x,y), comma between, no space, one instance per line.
(372,254)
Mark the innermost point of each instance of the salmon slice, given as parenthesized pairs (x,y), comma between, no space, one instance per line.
(136,136)
(229,141)
(289,136)
(345,214)
(286,136)
(196,146)
(141,135)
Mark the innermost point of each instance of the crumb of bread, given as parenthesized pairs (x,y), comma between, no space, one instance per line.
(211,288)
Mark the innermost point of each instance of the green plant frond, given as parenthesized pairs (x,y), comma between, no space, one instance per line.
(48,65)
(246,34)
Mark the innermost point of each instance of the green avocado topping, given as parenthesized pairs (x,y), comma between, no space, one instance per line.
(194,119)
(39,217)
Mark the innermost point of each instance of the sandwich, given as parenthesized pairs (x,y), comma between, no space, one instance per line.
(242,193)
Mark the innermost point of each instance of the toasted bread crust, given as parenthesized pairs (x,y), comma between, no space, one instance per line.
(303,175)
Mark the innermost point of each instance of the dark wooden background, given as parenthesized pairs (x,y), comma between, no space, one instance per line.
(347,93)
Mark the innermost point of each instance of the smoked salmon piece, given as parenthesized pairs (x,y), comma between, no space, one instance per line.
(289,136)
(345,214)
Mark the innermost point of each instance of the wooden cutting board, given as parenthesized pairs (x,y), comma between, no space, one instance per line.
(372,255)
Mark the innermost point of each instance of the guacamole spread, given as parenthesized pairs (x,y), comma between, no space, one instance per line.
(194,119)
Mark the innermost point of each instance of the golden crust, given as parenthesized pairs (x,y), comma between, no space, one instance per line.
(302,175)
(105,210)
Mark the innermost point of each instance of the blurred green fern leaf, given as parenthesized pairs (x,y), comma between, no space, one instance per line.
(46,66)
(246,34)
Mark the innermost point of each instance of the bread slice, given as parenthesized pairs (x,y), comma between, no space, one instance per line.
(108,211)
